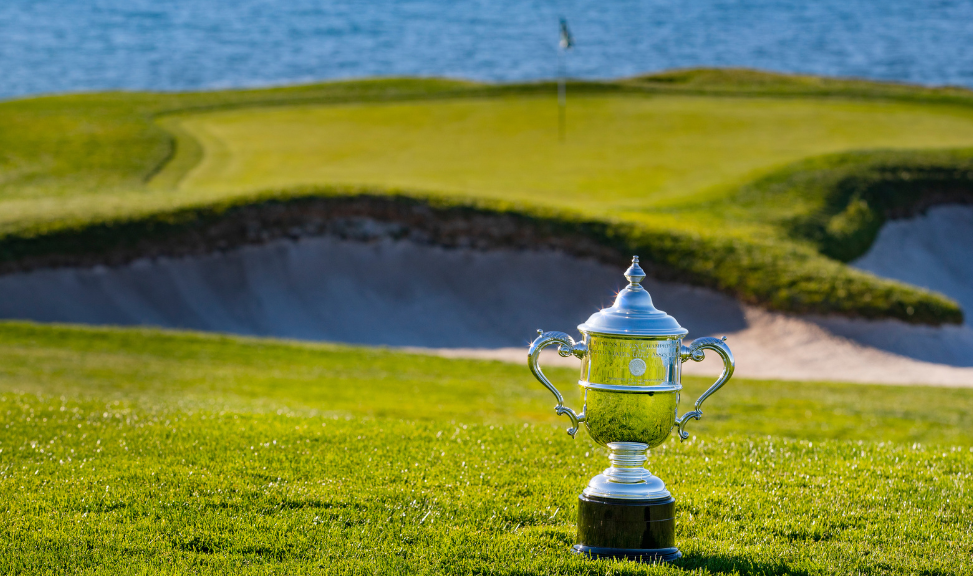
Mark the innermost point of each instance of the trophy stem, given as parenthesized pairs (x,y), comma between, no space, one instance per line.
(628,462)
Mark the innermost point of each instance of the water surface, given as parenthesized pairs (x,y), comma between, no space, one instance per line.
(68,45)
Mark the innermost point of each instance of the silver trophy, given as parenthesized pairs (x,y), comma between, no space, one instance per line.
(631,368)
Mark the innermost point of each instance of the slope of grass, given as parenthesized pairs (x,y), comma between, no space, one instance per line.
(102,144)
(623,152)
(840,202)
(687,167)
(143,451)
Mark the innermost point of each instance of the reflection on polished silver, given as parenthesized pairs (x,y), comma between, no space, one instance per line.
(631,377)
(627,477)
(695,353)
(567,347)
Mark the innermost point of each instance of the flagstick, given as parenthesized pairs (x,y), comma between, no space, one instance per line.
(564,45)
(562,98)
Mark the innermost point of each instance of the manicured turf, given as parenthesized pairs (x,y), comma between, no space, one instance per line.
(129,451)
(134,451)
(624,153)
(690,168)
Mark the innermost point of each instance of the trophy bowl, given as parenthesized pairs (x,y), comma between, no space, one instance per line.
(631,373)
(630,388)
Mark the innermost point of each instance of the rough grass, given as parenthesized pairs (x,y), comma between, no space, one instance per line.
(104,165)
(141,451)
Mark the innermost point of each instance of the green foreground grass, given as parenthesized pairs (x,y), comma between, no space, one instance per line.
(141,451)
(716,176)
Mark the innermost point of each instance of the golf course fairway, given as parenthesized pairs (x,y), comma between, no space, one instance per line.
(141,451)
(622,153)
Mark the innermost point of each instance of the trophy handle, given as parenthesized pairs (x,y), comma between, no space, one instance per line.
(567,347)
(696,354)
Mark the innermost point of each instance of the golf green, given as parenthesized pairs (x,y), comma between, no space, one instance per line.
(621,153)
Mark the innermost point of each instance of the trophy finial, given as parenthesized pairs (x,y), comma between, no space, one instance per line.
(634,274)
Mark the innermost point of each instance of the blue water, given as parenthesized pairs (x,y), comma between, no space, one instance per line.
(69,45)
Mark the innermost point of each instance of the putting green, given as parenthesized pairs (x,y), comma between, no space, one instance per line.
(621,153)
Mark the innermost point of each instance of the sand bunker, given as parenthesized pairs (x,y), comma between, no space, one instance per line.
(458,302)
(380,293)
(934,251)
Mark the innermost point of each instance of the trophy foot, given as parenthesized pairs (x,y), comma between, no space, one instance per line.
(660,555)
(627,478)
(643,530)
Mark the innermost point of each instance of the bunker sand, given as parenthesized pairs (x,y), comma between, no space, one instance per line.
(779,347)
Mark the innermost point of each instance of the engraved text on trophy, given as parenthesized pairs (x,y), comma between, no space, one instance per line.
(620,361)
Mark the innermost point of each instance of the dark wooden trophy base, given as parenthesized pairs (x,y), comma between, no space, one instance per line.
(643,530)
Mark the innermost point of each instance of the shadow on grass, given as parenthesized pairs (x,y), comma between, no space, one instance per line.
(750,567)
(723,564)
(282,504)
(695,564)
(205,543)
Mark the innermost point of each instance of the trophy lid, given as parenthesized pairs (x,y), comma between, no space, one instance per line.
(633,313)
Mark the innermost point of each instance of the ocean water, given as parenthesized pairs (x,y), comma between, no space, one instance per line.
(70,45)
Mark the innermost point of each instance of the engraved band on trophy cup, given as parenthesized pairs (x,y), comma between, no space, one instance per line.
(631,372)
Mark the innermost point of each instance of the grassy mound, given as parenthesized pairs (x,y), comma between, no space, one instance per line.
(776,273)
(144,451)
(854,194)
(702,172)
